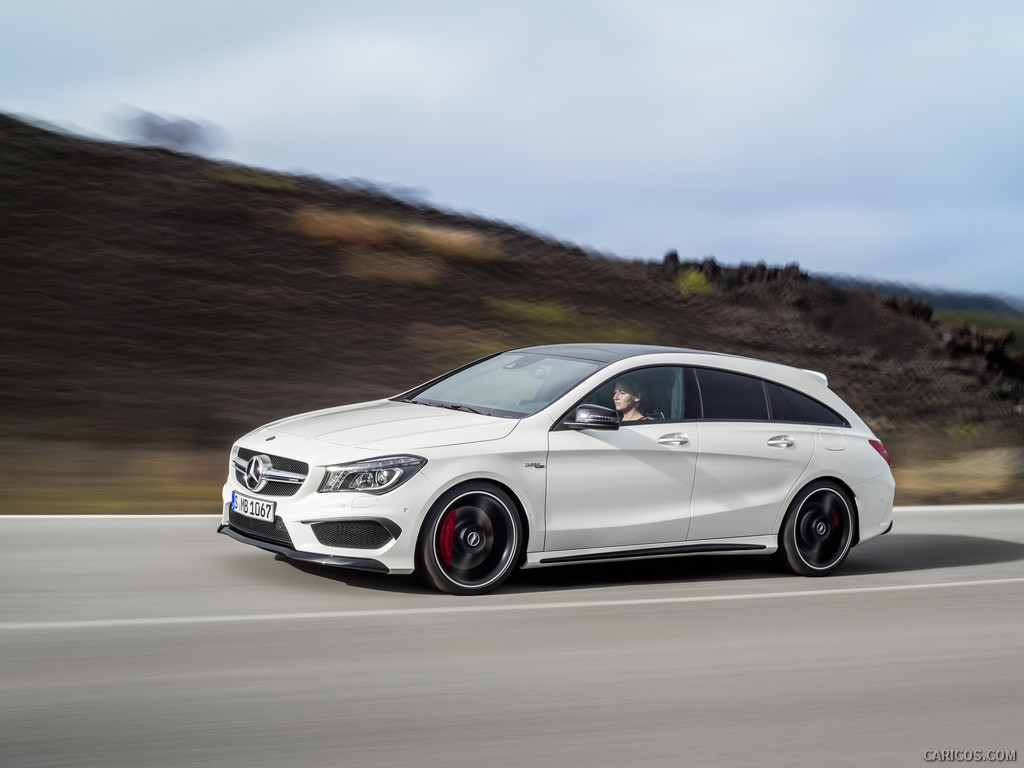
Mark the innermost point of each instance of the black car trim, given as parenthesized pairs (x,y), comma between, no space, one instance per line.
(389,525)
(356,563)
(657,551)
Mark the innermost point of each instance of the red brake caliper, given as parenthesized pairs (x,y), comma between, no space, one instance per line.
(446,536)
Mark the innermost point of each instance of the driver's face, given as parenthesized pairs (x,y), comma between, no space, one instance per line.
(624,401)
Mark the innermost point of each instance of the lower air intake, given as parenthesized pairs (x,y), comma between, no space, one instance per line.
(353,534)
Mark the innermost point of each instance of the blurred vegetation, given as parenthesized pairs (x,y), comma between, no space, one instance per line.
(961,431)
(694,281)
(253,177)
(384,265)
(540,322)
(102,479)
(989,321)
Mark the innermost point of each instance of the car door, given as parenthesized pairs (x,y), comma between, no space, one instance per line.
(748,464)
(624,487)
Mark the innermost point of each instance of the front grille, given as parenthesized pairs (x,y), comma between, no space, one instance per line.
(352,534)
(270,489)
(279,462)
(261,529)
(274,488)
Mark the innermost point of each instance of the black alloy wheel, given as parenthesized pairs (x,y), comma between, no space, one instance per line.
(470,541)
(818,531)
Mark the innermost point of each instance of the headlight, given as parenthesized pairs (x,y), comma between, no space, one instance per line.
(371,476)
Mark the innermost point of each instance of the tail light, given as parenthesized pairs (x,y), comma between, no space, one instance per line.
(877,445)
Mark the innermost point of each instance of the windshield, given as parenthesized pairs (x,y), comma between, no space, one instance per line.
(510,385)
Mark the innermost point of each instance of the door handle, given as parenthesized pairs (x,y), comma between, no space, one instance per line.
(674,439)
(781,441)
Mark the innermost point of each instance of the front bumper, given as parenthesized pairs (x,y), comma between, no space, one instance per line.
(294,532)
(356,563)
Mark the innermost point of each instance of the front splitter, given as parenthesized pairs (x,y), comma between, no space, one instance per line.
(336,561)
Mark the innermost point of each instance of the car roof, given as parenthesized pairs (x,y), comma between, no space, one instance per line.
(610,353)
(613,353)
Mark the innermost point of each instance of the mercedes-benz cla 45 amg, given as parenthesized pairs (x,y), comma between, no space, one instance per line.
(565,454)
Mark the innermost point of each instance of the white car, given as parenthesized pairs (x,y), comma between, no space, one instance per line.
(564,454)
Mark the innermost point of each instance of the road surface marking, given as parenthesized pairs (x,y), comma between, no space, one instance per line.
(162,621)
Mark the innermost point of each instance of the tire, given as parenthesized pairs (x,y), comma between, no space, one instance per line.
(817,533)
(470,540)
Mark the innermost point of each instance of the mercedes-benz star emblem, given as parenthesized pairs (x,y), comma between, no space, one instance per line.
(473,539)
(256,472)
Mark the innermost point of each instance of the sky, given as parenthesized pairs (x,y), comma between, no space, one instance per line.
(880,139)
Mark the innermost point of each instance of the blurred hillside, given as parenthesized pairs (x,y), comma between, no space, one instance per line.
(938,299)
(160,302)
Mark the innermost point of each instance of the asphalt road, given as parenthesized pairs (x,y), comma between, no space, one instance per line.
(156,642)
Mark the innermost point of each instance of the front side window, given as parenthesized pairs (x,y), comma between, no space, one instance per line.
(661,393)
(509,385)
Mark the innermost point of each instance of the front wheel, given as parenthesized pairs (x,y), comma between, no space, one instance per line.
(470,540)
(818,530)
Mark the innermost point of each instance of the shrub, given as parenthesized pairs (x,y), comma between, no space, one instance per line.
(693,281)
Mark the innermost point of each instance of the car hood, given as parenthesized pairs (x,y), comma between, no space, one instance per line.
(386,425)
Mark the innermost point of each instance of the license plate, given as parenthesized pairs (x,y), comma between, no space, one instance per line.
(261,510)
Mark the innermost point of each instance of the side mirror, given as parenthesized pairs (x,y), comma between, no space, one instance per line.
(593,417)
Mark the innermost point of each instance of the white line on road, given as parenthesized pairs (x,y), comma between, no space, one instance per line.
(162,621)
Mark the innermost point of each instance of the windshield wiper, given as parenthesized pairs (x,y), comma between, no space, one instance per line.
(451,406)
(466,408)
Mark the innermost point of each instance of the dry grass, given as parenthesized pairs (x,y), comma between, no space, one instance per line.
(374,264)
(451,243)
(973,476)
(376,231)
(344,227)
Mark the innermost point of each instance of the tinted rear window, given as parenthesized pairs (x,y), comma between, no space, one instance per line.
(731,396)
(790,405)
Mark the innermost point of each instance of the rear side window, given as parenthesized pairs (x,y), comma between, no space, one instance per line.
(731,396)
(790,405)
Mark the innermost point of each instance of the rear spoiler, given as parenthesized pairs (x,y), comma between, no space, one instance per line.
(818,375)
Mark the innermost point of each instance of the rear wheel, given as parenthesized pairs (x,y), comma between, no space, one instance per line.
(818,530)
(470,540)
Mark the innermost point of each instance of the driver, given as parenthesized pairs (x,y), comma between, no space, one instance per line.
(627,396)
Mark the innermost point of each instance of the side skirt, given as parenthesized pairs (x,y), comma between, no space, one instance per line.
(535,559)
